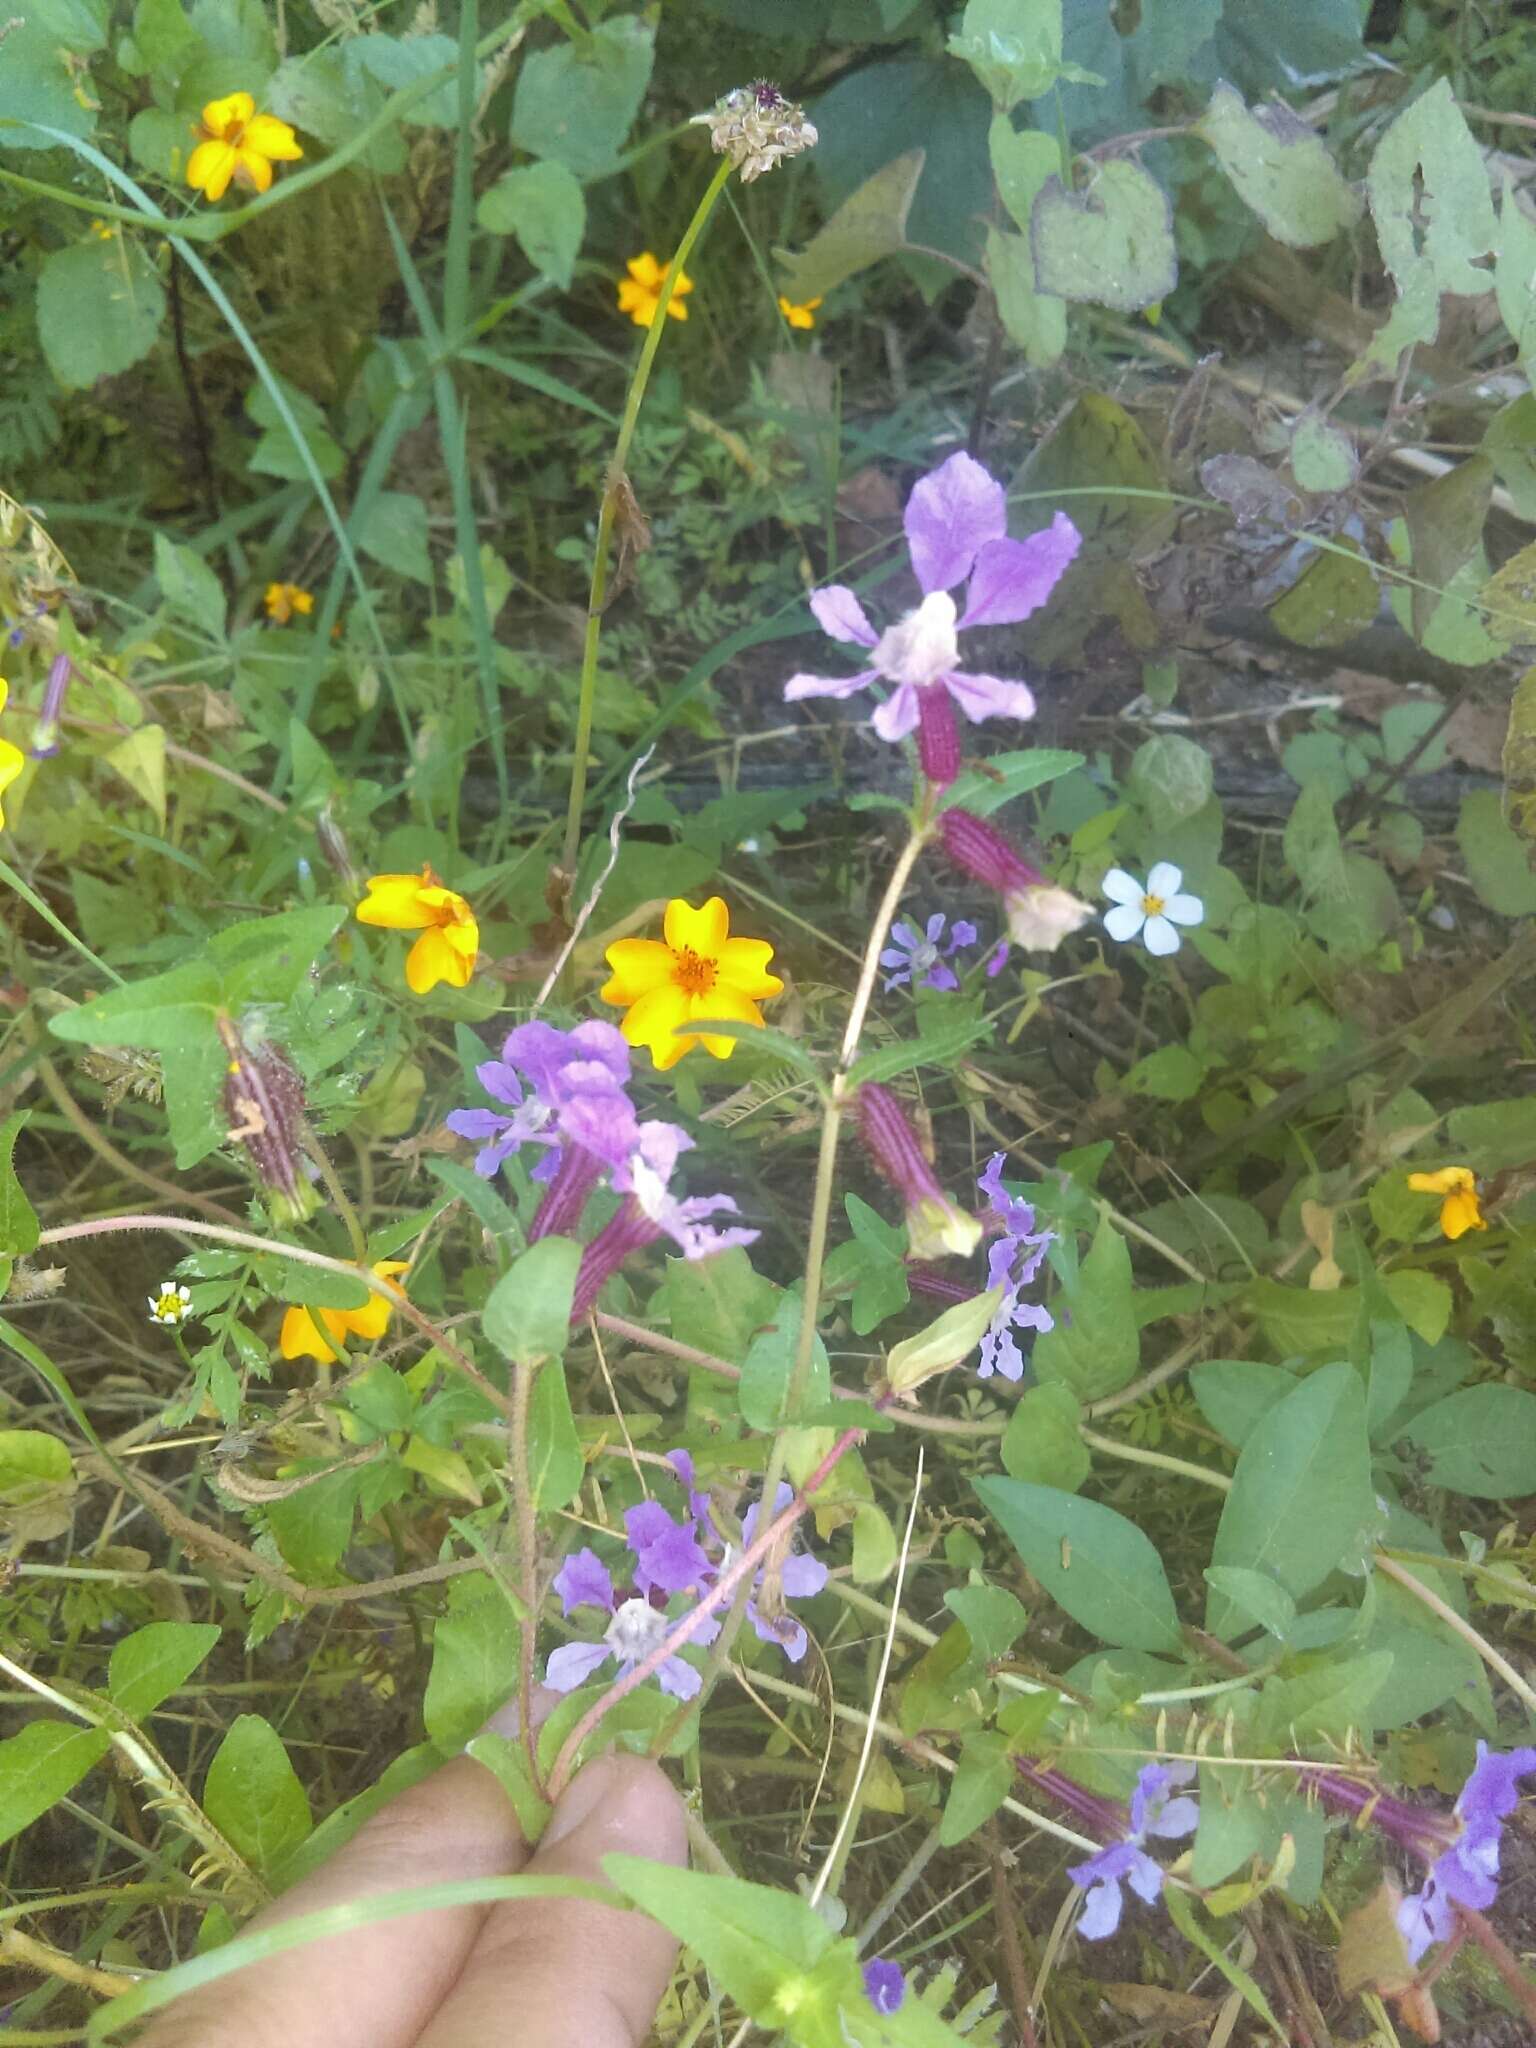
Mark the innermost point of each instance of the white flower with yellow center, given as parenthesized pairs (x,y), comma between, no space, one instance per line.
(172,1305)
(1152,908)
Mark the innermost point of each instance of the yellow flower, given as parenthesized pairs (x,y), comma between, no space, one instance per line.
(799,316)
(1461,1210)
(12,759)
(640,292)
(302,1336)
(104,231)
(701,971)
(284,599)
(240,144)
(450,937)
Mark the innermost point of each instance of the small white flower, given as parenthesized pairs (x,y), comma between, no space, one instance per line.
(172,1305)
(1152,910)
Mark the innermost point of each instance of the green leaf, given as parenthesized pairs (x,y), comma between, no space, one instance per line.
(991,1616)
(99,307)
(399,61)
(1433,210)
(1480,1441)
(1172,1074)
(869,225)
(982,1781)
(155,1661)
(1301,1503)
(1014,48)
(1185,1915)
(1110,244)
(767,1368)
(1497,861)
(312,1526)
(1324,1703)
(1282,167)
(1322,456)
(18,1219)
(544,206)
(394,533)
(1256,1596)
(527,1315)
(1171,778)
(39,83)
(474,1662)
(191,590)
(1333,599)
(1096,1345)
(1043,1442)
(1034,321)
(555,1462)
(1303,1319)
(1008,776)
(939,1045)
(253,1795)
(40,1766)
(1444,519)
(508,1762)
(575,103)
(1094,1563)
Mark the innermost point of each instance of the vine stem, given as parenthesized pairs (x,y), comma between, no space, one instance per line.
(688,1625)
(1516,1981)
(613,486)
(63,1233)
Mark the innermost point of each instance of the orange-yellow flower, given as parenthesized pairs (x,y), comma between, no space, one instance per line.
(238,144)
(1460,1211)
(700,972)
(302,1334)
(450,937)
(282,600)
(640,292)
(799,316)
(12,759)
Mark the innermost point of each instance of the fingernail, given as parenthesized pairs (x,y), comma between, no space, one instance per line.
(590,1787)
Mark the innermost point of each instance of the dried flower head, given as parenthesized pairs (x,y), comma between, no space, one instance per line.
(757,128)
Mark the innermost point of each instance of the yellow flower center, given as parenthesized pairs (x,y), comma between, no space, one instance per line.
(693,974)
(1152,905)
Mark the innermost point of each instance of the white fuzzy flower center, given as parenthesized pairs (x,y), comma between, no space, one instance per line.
(635,1630)
(923,646)
(924,956)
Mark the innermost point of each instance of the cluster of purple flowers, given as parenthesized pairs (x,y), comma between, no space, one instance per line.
(566,1094)
(923,958)
(1154,1812)
(668,1556)
(1013,1262)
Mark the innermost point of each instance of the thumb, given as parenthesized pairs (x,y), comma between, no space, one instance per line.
(573,1973)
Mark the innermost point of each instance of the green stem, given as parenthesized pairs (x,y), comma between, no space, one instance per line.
(338,1195)
(523,1378)
(608,511)
(1160,1460)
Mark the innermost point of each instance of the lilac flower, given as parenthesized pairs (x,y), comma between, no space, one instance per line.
(957,527)
(1466,1874)
(635,1628)
(915,956)
(1154,911)
(646,1173)
(671,1557)
(885,1984)
(1012,1263)
(1153,1812)
(577,1091)
(801,1577)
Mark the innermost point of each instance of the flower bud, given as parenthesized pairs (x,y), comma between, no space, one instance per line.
(264,1100)
(938,736)
(935,1225)
(946,1341)
(1040,915)
(45,734)
(1040,918)
(757,128)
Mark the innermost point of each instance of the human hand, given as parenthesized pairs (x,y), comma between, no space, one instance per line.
(531,1973)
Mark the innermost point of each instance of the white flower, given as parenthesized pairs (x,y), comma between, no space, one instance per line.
(171,1305)
(1158,907)
(1041,916)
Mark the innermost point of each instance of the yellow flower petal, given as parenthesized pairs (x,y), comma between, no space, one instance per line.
(394,901)
(300,1337)
(253,169)
(372,1320)
(274,139)
(646,271)
(1461,1213)
(1446,1180)
(744,967)
(723,1002)
(435,958)
(219,116)
(12,761)
(639,965)
(210,168)
(652,1021)
(5,692)
(697,931)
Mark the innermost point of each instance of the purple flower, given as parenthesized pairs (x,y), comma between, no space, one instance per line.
(45,734)
(1012,1263)
(646,1174)
(915,956)
(885,1984)
(957,527)
(801,1577)
(682,1557)
(1467,1873)
(635,1628)
(1153,1812)
(577,1092)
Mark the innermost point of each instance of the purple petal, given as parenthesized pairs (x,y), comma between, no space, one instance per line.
(982,697)
(678,1679)
(885,1984)
(962,934)
(583,1581)
(682,1464)
(602,1044)
(1015,577)
(673,1559)
(899,714)
(941,977)
(1145,1878)
(840,615)
(500,1080)
(784,1630)
(951,515)
(646,1524)
(603,1121)
(800,686)
(538,1051)
(997,959)
(476,1123)
(804,1576)
(573,1664)
(1424,1918)
(547,1167)
(935,927)
(1101,1911)
(1492,1787)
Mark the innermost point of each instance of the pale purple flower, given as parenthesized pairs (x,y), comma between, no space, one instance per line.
(885,1984)
(926,956)
(957,527)
(801,1577)
(646,1173)
(1467,1873)
(1013,1261)
(1154,910)
(635,1628)
(1154,1813)
(575,1091)
(671,1556)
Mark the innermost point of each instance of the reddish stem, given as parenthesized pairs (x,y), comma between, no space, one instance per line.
(938,735)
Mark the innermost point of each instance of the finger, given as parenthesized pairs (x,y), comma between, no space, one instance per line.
(574,1974)
(374,1987)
